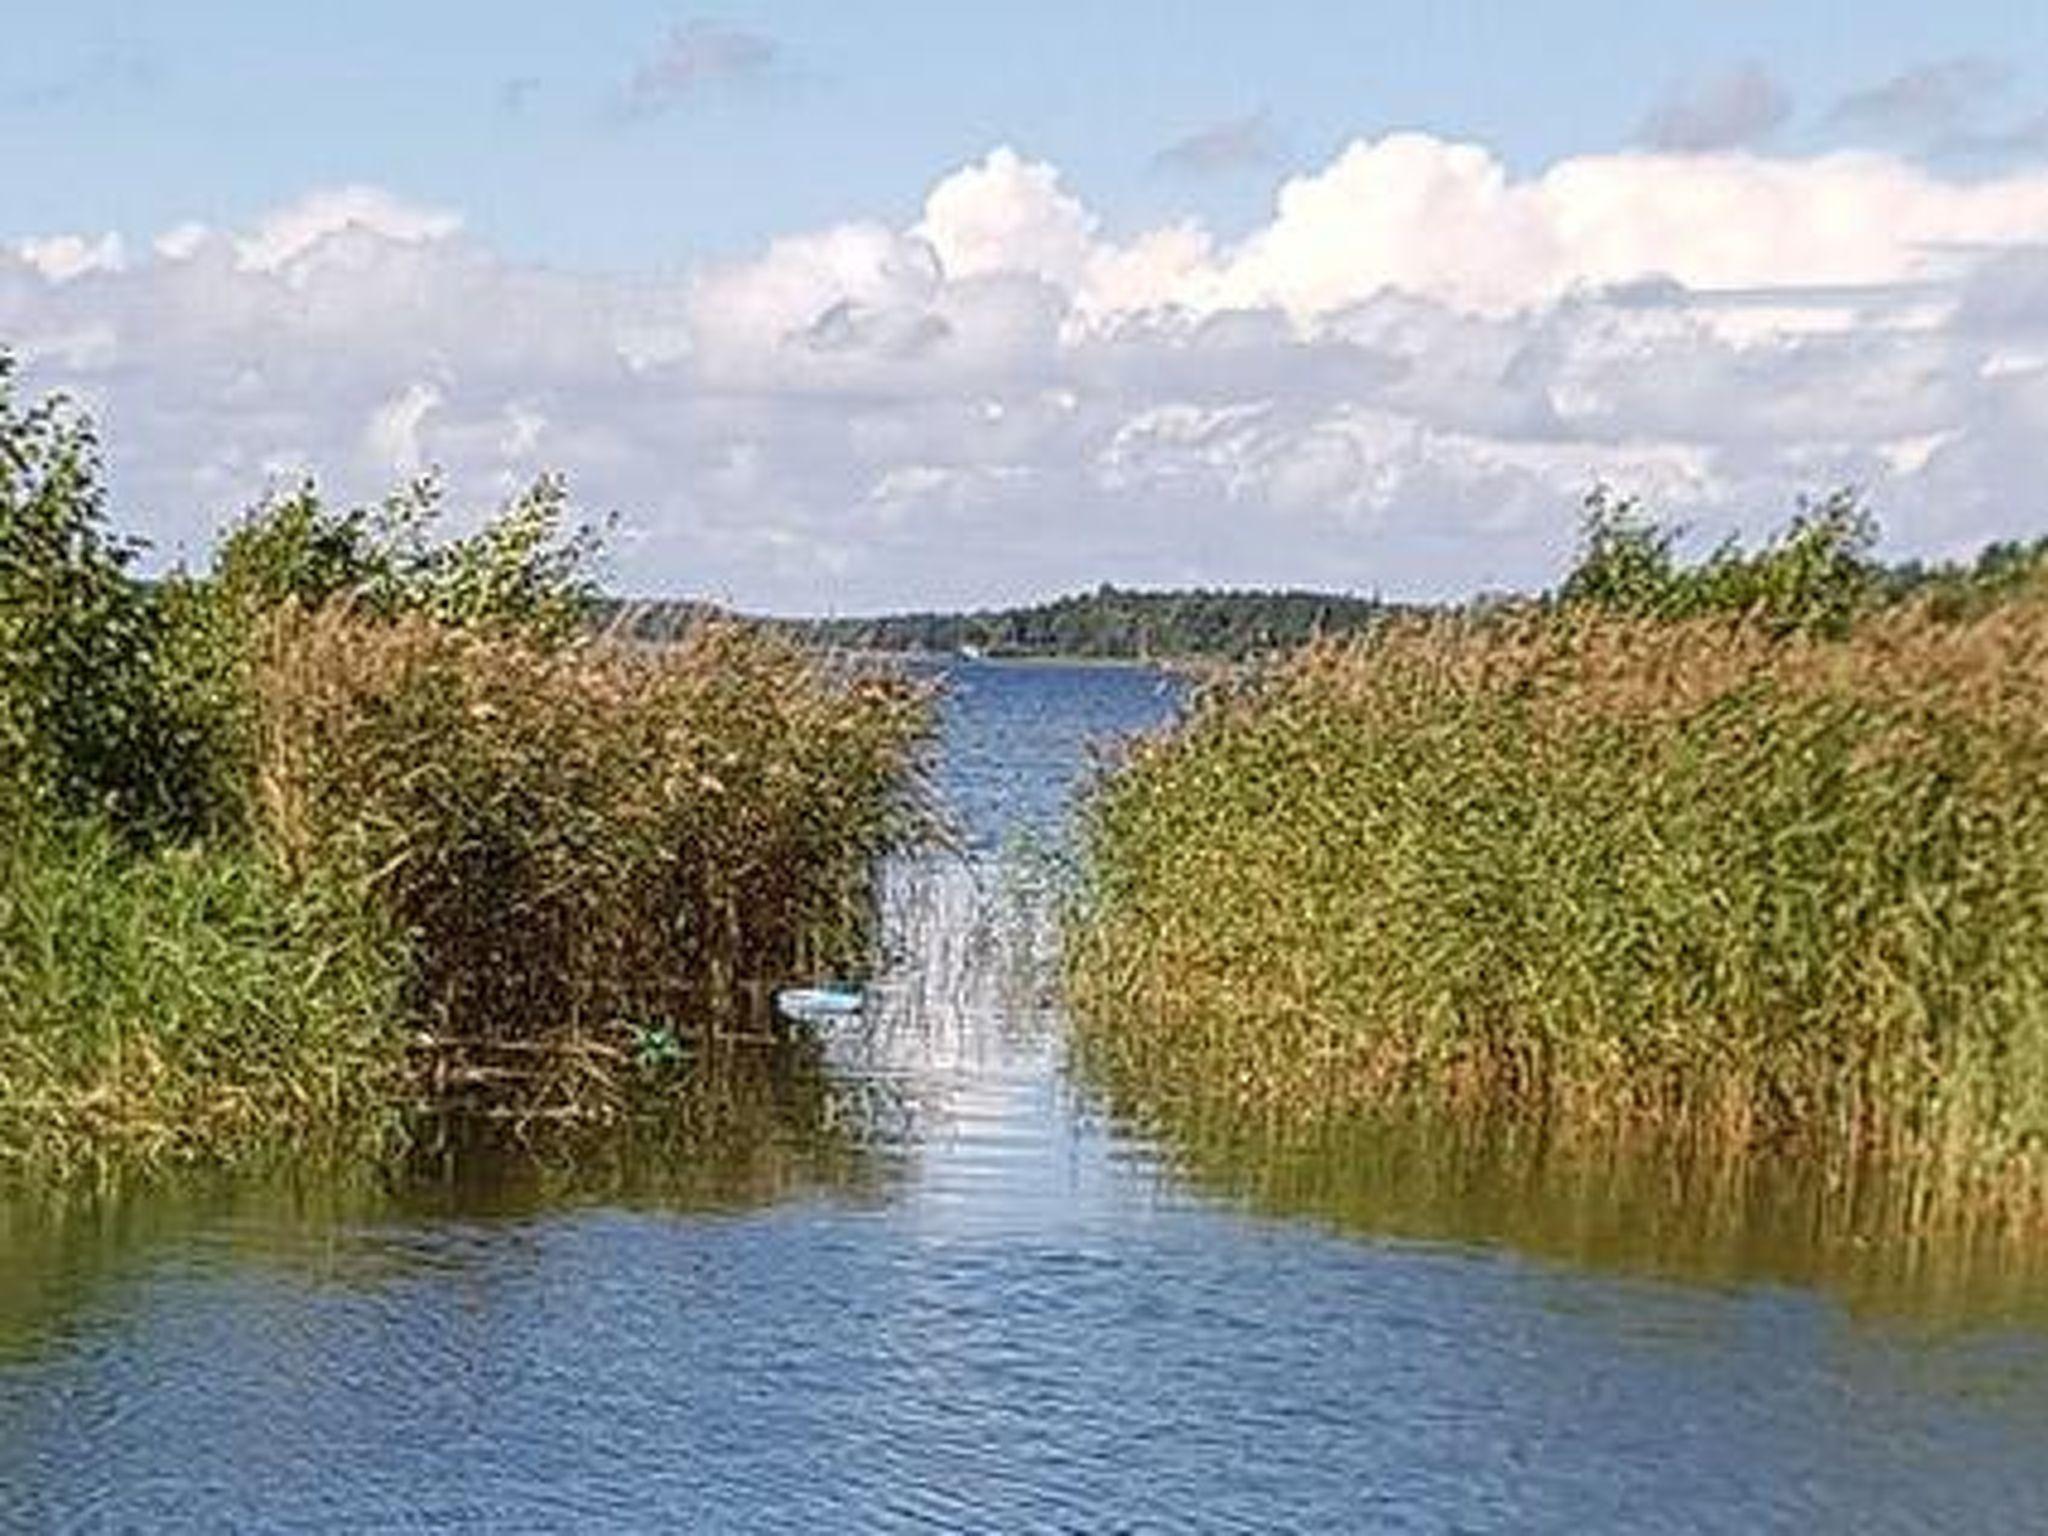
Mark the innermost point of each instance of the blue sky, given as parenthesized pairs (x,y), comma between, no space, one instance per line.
(135,116)
(854,306)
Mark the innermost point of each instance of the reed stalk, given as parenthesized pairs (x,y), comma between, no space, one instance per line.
(1750,890)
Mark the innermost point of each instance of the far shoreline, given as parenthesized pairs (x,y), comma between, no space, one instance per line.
(1172,666)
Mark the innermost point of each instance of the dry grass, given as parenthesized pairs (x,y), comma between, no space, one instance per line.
(1747,892)
(599,853)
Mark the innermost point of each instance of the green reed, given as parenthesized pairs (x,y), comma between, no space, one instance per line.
(186,1003)
(362,822)
(1745,889)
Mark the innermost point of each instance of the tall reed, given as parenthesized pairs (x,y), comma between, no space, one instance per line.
(598,852)
(185,1004)
(361,821)
(1745,888)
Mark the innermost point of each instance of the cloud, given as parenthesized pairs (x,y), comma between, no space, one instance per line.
(1445,220)
(1927,101)
(302,227)
(1947,110)
(63,257)
(393,434)
(2025,139)
(1007,214)
(1401,380)
(1736,108)
(1222,149)
(693,56)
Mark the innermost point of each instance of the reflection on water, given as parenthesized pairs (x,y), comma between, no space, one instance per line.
(1636,1208)
(744,1129)
(905,1276)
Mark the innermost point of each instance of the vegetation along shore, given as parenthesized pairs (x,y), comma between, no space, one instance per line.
(362,824)
(1747,856)
(1108,624)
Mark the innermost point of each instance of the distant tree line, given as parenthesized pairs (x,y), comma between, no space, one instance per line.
(1817,573)
(1110,622)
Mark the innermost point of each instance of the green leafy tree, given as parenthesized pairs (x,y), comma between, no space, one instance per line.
(84,727)
(1816,576)
(525,571)
(1625,561)
(292,549)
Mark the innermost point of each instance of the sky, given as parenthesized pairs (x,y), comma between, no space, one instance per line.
(847,307)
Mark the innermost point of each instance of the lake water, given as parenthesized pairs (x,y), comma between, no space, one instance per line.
(918,1281)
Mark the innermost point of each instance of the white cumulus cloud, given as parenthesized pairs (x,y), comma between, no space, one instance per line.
(63,257)
(1402,380)
(393,435)
(299,228)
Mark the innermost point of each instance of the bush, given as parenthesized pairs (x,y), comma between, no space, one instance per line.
(525,571)
(1816,577)
(86,725)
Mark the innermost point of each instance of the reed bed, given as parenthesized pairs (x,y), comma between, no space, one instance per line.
(363,822)
(601,855)
(186,1003)
(533,884)
(1744,890)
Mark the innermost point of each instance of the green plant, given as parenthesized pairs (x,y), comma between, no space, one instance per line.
(586,843)
(526,570)
(1625,562)
(1816,576)
(1745,886)
(83,725)
(188,1004)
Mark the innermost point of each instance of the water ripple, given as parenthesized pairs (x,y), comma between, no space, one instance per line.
(1030,1323)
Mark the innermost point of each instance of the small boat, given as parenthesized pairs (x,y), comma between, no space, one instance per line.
(815,1004)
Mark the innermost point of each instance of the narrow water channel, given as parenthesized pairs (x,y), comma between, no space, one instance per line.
(924,1282)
